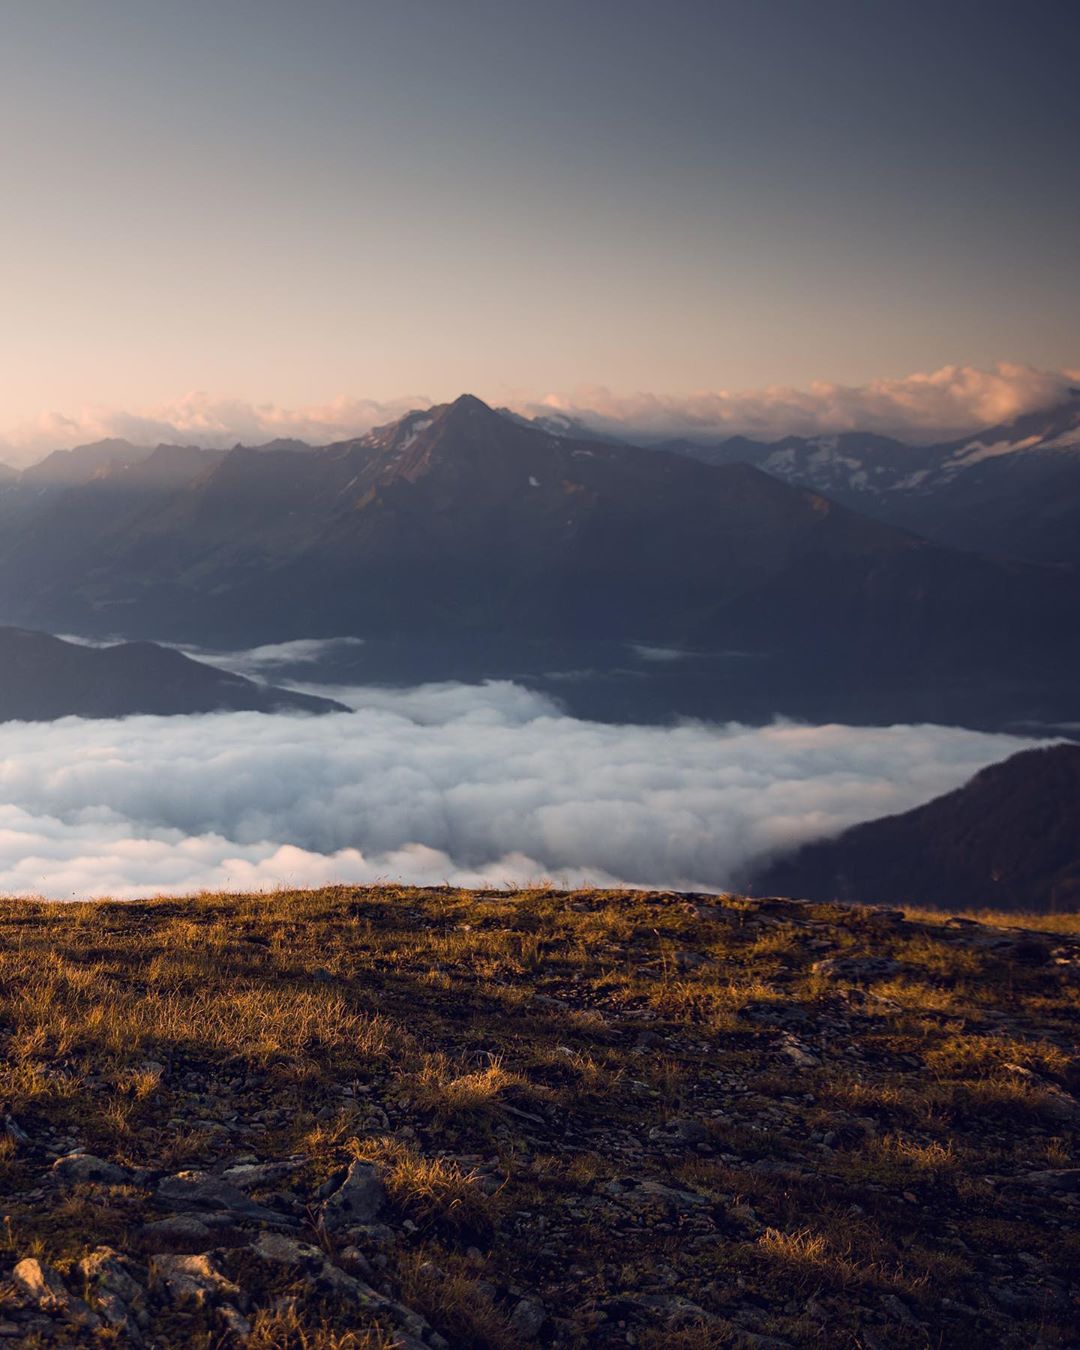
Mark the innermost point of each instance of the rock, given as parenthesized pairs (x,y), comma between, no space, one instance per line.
(322,1276)
(656,1190)
(193,1279)
(202,1191)
(898,1310)
(1056,1102)
(355,1259)
(528,1318)
(187,1232)
(1060,1179)
(250,1175)
(75,1168)
(857,969)
(14,1130)
(235,1322)
(286,1251)
(797,1054)
(686,961)
(357,1200)
(688,1131)
(38,1284)
(117,1294)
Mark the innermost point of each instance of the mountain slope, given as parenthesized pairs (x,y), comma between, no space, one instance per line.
(457,527)
(1009,837)
(1011,489)
(45,678)
(67,468)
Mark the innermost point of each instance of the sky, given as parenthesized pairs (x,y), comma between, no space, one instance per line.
(285,210)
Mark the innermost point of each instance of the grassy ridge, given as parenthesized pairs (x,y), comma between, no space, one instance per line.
(592,1118)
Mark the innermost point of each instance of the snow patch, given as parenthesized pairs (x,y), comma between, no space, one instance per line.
(977,451)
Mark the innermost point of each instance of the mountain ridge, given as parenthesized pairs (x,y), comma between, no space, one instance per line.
(1013,488)
(46,677)
(1010,835)
(456,525)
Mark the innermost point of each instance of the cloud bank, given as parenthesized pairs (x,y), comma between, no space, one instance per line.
(199,419)
(475,785)
(921,407)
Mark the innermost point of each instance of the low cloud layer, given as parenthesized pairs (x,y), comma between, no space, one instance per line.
(199,419)
(472,785)
(920,407)
(923,407)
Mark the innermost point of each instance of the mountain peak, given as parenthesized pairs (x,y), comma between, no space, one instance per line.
(467,407)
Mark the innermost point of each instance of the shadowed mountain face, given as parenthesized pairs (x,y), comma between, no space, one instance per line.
(459,530)
(70,468)
(1011,490)
(45,678)
(1009,836)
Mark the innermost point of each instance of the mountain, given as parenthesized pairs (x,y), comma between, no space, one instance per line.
(1010,838)
(464,533)
(1011,489)
(67,468)
(45,678)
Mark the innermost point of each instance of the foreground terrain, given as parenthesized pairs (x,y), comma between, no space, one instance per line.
(375,1117)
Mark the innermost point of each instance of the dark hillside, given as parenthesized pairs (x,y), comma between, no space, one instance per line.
(1011,836)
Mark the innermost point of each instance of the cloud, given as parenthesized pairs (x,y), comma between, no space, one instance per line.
(468,784)
(199,419)
(272,657)
(921,407)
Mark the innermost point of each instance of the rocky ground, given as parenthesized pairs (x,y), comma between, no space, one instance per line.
(392,1117)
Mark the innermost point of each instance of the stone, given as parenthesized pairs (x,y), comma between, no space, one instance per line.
(656,1190)
(250,1175)
(357,1200)
(75,1168)
(797,1054)
(1060,1179)
(193,1279)
(528,1318)
(40,1285)
(203,1191)
(187,1232)
(322,1276)
(857,969)
(117,1294)
(14,1130)
(688,1131)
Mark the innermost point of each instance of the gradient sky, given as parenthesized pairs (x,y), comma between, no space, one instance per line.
(295,201)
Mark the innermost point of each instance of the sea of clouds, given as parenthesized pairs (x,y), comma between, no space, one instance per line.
(474,785)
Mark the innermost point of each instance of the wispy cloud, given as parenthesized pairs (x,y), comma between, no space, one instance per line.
(474,785)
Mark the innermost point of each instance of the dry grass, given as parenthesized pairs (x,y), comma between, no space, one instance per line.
(513,1061)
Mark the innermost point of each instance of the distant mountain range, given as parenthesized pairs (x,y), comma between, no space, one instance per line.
(1012,490)
(1010,838)
(45,678)
(461,533)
